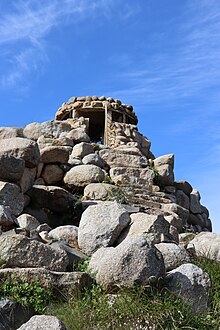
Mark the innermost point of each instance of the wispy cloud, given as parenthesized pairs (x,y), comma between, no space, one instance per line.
(24,29)
(189,66)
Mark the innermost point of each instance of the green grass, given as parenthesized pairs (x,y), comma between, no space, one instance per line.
(143,308)
(148,308)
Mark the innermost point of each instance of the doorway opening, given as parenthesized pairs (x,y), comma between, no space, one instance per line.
(96,118)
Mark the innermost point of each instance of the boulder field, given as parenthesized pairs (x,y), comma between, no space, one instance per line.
(66,196)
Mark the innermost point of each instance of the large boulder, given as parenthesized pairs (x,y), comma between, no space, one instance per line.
(195,206)
(21,148)
(51,128)
(124,157)
(27,179)
(11,168)
(78,135)
(20,251)
(173,255)
(179,210)
(10,132)
(82,175)
(154,226)
(42,322)
(52,174)
(206,244)
(165,165)
(67,233)
(184,186)
(11,196)
(182,199)
(81,150)
(76,281)
(101,191)
(192,285)
(93,159)
(101,225)
(55,154)
(27,221)
(53,198)
(134,262)
(130,175)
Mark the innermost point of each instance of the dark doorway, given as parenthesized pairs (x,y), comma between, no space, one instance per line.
(96,124)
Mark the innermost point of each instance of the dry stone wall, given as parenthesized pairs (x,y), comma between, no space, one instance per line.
(64,197)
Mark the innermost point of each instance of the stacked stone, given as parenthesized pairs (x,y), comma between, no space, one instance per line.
(94,102)
(132,218)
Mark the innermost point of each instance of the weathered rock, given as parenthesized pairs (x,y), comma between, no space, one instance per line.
(11,168)
(21,148)
(100,191)
(52,174)
(51,279)
(55,154)
(164,160)
(75,256)
(42,322)
(6,218)
(13,314)
(179,210)
(173,255)
(101,225)
(93,159)
(195,206)
(182,199)
(27,179)
(134,262)
(165,165)
(11,196)
(193,219)
(10,132)
(166,175)
(78,135)
(175,221)
(81,150)
(20,251)
(82,175)
(125,157)
(184,186)
(129,175)
(154,226)
(74,161)
(53,198)
(192,285)
(52,128)
(27,221)
(67,233)
(174,234)
(38,213)
(206,244)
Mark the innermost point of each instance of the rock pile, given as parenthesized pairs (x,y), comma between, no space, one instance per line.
(130,218)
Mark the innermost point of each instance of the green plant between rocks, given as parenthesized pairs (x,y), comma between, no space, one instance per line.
(32,294)
(82,266)
(157,177)
(141,308)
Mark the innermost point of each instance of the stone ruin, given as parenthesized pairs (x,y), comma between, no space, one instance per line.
(87,184)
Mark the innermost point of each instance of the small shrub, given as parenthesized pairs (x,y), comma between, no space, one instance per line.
(157,177)
(26,293)
(82,266)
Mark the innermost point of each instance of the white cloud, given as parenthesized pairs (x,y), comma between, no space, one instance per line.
(28,24)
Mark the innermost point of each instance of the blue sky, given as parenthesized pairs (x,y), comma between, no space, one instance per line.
(163,57)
